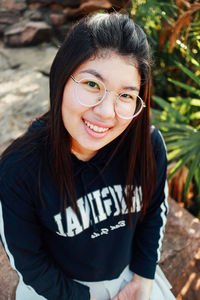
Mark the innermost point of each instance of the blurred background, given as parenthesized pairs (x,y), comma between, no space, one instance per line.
(31,31)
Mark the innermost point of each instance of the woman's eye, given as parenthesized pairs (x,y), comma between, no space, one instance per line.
(93,84)
(126,96)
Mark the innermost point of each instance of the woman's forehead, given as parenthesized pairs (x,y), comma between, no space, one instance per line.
(110,53)
(110,67)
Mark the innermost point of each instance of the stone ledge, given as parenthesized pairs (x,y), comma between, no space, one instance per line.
(180,259)
(8,277)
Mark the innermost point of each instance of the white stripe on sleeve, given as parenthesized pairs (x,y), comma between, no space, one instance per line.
(164,211)
(27,291)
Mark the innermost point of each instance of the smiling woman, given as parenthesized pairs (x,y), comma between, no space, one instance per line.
(83,193)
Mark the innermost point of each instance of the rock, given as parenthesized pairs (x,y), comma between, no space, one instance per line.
(57,19)
(56,7)
(24,91)
(4,62)
(46,2)
(19,5)
(12,36)
(34,15)
(35,33)
(180,251)
(2,29)
(9,17)
(34,6)
(29,22)
(31,33)
(189,285)
(24,99)
(91,5)
(29,58)
(87,6)
(70,3)
(8,278)
(61,32)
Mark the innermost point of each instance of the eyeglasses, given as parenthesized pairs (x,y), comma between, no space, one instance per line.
(90,92)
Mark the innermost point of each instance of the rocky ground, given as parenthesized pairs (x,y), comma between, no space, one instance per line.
(24,95)
(24,89)
(30,22)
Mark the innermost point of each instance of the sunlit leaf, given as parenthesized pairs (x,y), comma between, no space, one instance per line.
(185,86)
(188,72)
(195,115)
(183,161)
(194,165)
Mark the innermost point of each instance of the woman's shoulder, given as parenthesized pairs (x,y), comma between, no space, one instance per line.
(157,141)
(22,157)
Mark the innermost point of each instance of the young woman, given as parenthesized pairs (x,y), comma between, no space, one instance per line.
(83,192)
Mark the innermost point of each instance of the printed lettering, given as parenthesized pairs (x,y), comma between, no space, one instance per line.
(73,225)
(85,212)
(118,225)
(104,231)
(60,231)
(103,201)
(97,196)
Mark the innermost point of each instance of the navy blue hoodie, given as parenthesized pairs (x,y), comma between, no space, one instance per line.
(49,249)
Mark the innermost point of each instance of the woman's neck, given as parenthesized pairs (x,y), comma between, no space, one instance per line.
(85,156)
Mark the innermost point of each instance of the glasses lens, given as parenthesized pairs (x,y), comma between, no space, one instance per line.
(128,105)
(89,91)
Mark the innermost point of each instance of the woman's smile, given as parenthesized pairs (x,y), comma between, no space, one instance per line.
(95,127)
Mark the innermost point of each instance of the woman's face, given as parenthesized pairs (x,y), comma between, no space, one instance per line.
(91,128)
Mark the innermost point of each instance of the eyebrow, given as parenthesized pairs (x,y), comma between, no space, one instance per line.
(99,76)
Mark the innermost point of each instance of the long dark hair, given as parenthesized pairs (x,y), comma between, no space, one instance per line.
(88,37)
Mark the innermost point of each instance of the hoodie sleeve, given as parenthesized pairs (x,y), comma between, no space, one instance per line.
(150,231)
(21,235)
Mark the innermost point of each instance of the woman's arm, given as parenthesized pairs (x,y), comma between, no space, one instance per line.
(144,287)
(149,232)
(21,235)
(139,288)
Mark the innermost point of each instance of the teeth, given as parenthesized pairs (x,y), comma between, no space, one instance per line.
(95,128)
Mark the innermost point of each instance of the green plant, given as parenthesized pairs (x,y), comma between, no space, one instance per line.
(179,122)
(170,25)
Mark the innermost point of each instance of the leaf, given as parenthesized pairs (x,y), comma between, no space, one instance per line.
(177,127)
(155,112)
(181,162)
(195,163)
(197,179)
(195,115)
(178,153)
(192,60)
(188,72)
(183,20)
(190,101)
(184,140)
(167,107)
(195,102)
(185,86)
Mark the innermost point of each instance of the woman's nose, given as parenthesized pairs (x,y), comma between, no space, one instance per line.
(106,109)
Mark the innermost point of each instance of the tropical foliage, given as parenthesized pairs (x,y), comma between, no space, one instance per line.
(173,29)
(179,121)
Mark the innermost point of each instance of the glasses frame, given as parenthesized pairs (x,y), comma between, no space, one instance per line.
(106,91)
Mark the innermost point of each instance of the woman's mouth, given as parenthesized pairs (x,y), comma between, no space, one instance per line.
(96,128)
